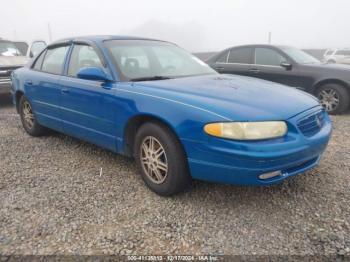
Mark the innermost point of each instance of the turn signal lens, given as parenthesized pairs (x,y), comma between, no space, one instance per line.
(247,130)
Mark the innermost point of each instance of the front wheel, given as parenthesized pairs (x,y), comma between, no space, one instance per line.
(161,159)
(29,122)
(334,98)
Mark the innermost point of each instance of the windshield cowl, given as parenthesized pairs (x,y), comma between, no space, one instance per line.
(149,78)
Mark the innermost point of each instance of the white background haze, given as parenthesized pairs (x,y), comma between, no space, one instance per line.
(195,25)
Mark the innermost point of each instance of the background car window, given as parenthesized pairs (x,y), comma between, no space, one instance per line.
(343,52)
(9,49)
(83,56)
(39,61)
(223,58)
(267,56)
(240,56)
(54,60)
(22,47)
(36,48)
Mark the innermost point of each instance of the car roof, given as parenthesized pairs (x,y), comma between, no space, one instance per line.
(259,45)
(101,38)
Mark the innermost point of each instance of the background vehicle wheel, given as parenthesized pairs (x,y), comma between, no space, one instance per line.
(161,159)
(334,98)
(28,119)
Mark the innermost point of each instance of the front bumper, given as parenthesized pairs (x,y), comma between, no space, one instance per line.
(5,85)
(237,162)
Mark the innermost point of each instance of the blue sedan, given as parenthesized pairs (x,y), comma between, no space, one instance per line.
(178,118)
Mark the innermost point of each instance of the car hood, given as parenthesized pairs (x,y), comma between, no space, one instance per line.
(234,97)
(7,61)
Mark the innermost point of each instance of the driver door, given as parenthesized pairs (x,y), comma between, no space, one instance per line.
(267,65)
(87,105)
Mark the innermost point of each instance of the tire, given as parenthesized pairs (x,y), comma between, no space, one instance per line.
(340,93)
(33,128)
(176,178)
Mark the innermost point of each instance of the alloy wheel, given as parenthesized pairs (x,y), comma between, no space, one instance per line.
(28,115)
(329,99)
(154,160)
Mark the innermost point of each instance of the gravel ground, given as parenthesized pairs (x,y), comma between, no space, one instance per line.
(54,201)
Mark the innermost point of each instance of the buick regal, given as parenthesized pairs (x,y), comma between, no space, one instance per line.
(176,116)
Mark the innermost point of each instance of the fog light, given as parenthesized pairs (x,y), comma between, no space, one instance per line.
(270,175)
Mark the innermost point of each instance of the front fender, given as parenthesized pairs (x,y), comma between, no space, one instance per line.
(186,120)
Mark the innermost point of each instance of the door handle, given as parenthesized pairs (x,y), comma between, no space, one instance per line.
(64,91)
(219,68)
(254,70)
(29,82)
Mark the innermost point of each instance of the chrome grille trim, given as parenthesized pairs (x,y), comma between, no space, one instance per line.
(312,124)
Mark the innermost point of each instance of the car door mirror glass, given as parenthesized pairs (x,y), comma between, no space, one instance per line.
(93,73)
(286,65)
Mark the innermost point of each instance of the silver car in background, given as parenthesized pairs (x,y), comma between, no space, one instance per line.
(338,56)
(14,55)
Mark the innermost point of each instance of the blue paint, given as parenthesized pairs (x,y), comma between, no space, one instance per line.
(98,111)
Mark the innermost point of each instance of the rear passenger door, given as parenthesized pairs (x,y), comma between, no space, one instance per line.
(42,87)
(87,106)
(235,61)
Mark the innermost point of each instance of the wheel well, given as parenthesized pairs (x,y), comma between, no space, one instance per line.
(132,127)
(18,96)
(330,81)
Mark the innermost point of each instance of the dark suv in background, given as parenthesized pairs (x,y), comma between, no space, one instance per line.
(289,66)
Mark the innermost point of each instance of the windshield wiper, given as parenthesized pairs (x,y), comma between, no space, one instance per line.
(150,78)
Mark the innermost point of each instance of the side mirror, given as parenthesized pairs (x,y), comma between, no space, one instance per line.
(94,73)
(286,65)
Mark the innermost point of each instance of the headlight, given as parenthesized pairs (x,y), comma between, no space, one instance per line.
(247,130)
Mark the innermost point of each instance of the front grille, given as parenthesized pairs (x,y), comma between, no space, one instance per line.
(5,80)
(312,124)
(5,72)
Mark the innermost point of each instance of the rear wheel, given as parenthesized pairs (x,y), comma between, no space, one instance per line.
(29,122)
(334,98)
(161,159)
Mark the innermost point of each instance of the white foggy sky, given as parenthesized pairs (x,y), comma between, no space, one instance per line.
(196,25)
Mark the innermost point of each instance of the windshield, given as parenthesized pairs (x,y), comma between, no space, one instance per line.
(140,59)
(300,56)
(9,49)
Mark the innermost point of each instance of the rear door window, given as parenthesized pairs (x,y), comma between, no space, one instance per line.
(54,60)
(240,55)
